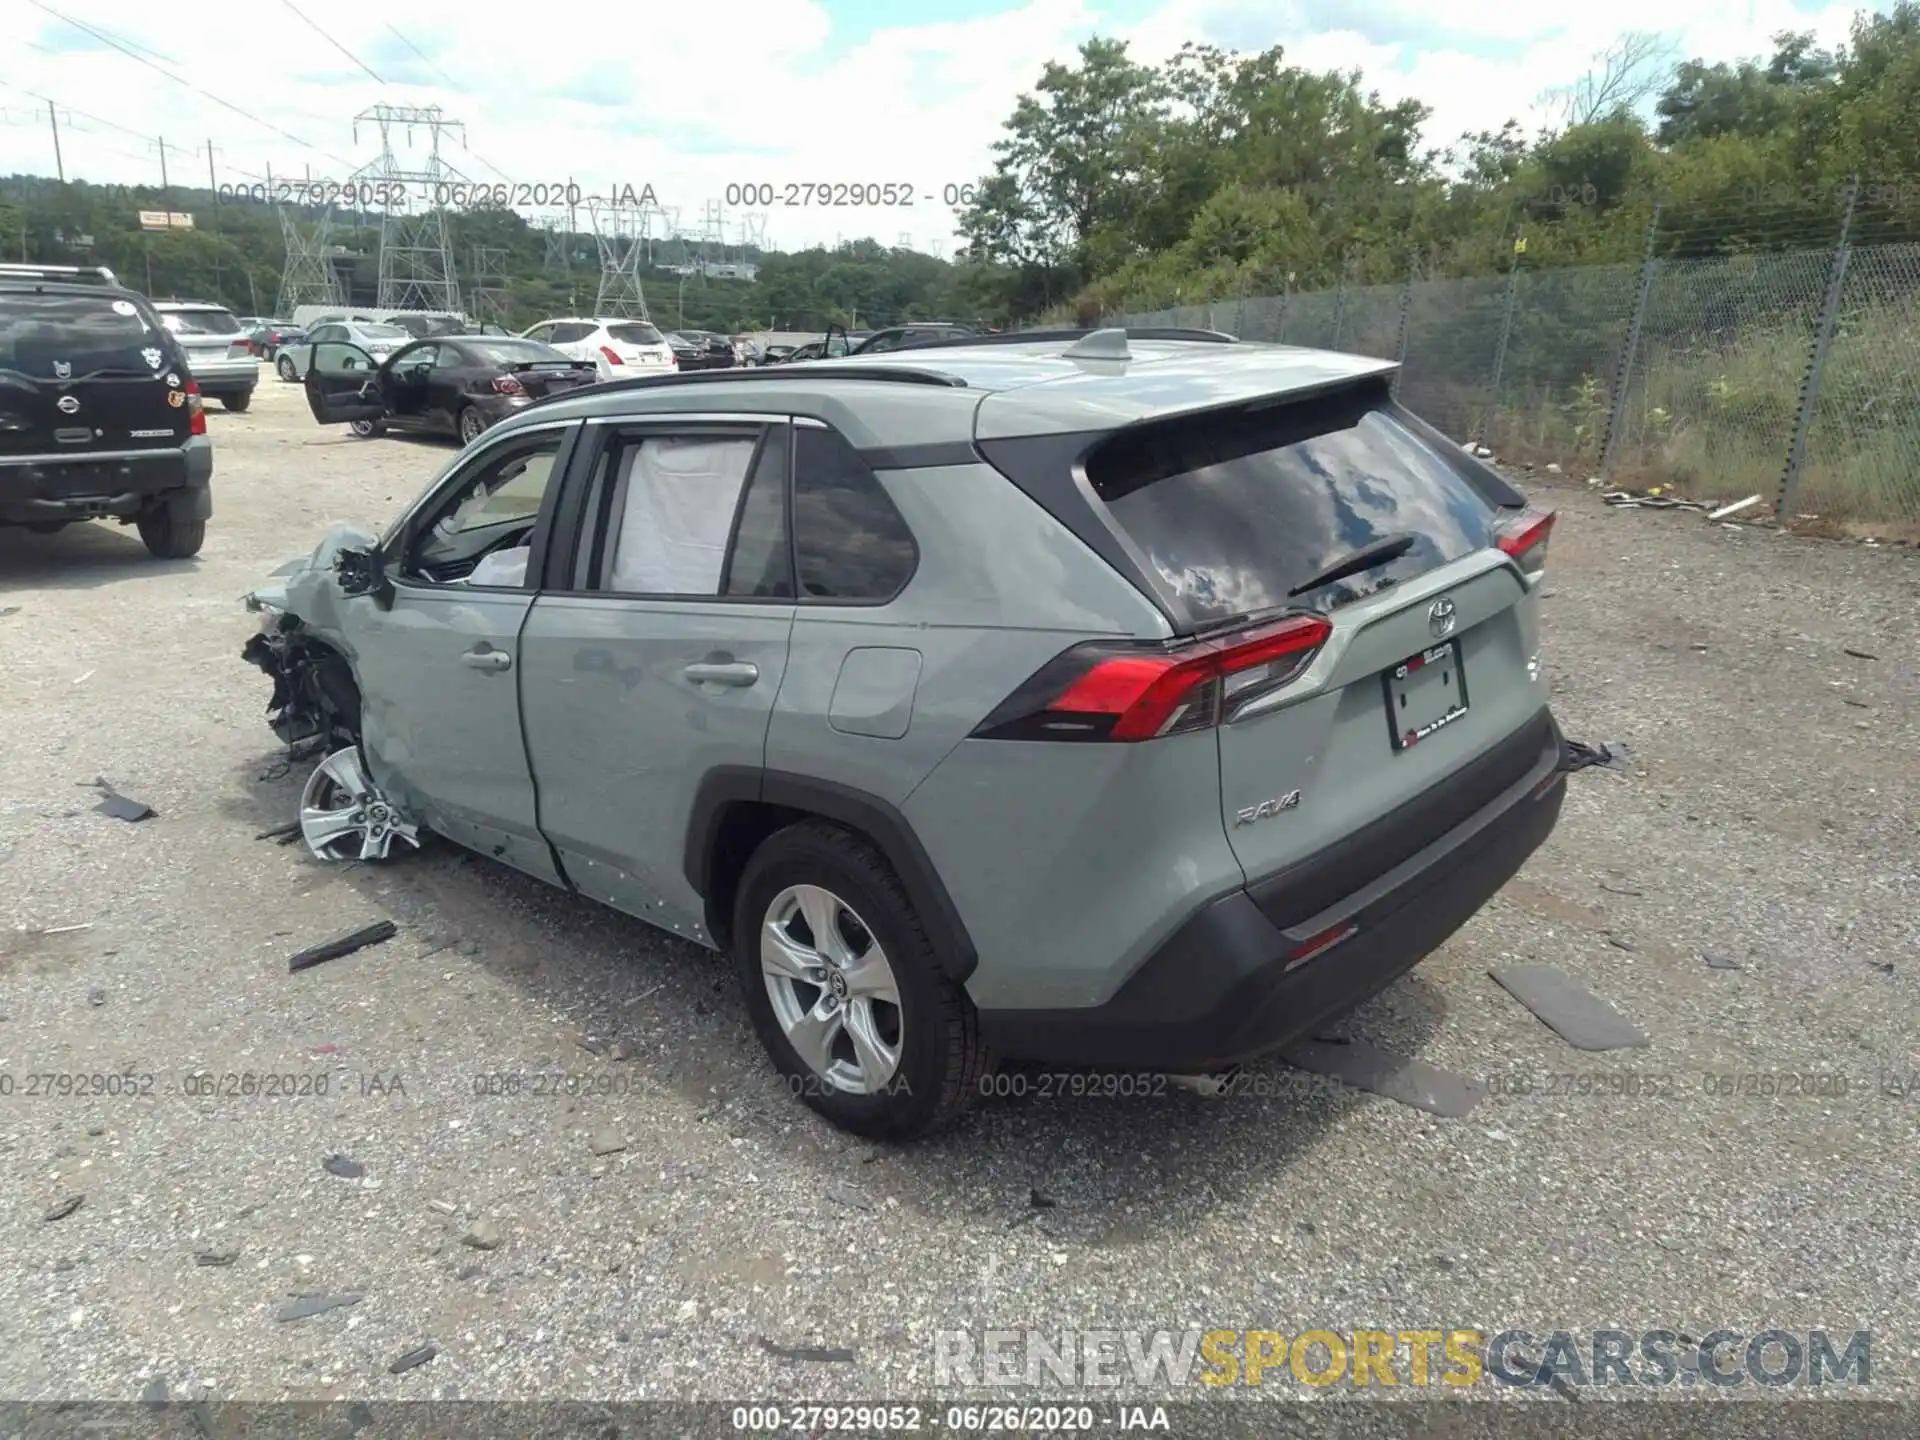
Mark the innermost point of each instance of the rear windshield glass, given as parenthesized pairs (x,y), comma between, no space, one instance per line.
(634,334)
(201,322)
(1236,512)
(384,332)
(54,336)
(518,352)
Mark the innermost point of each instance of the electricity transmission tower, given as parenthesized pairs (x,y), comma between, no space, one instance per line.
(556,244)
(307,277)
(416,249)
(621,232)
(487,284)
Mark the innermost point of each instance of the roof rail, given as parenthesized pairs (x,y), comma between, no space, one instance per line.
(740,375)
(99,274)
(1034,337)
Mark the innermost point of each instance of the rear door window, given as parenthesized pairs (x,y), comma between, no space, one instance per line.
(51,336)
(1236,513)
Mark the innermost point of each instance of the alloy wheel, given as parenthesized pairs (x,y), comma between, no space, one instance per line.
(472,424)
(343,814)
(833,991)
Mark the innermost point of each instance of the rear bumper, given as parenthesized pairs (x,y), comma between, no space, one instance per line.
(226,377)
(1227,986)
(120,484)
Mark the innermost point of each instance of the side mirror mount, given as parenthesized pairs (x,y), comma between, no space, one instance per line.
(364,572)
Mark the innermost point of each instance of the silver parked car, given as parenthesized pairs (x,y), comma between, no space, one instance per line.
(218,347)
(1128,701)
(379,341)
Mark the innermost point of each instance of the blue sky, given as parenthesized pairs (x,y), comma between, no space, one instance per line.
(692,99)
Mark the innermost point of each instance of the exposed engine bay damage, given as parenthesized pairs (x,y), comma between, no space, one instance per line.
(316,704)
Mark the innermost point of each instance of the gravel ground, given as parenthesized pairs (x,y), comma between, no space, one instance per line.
(1767,820)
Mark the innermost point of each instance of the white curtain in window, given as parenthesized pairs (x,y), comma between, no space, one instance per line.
(681,495)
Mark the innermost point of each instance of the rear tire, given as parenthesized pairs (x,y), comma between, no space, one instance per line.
(472,425)
(169,535)
(941,1057)
(237,403)
(284,365)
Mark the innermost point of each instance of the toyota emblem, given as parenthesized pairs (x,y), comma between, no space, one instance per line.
(1440,618)
(67,404)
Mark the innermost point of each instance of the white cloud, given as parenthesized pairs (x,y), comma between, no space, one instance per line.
(690,99)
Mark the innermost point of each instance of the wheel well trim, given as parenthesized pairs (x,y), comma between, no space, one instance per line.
(728,786)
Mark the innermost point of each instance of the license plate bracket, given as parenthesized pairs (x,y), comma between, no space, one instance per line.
(1425,693)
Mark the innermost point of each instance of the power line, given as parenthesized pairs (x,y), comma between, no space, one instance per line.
(208,94)
(424,56)
(331,41)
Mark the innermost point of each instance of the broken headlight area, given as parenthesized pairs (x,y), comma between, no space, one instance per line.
(315,704)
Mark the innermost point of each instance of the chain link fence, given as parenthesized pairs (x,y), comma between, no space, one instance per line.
(1794,375)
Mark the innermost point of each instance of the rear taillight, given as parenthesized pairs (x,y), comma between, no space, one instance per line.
(1525,538)
(196,411)
(507,385)
(613,357)
(1103,692)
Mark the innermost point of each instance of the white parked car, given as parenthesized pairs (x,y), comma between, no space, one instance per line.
(621,348)
(379,341)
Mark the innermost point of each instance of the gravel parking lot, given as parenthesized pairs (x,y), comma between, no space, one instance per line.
(1746,892)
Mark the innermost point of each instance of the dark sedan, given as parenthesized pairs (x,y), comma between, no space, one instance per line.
(267,336)
(701,350)
(458,385)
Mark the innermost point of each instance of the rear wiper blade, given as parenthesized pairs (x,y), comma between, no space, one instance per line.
(1367,557)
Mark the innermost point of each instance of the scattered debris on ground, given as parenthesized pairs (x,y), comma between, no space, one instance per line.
(841,1193)
(816,1354)
(285,834)
(1858,654)
(64,1208)
(306,1306)
(345,1168)
(1575,1014)
(376,934)
(216,1259)
(1392,1077)
(118,806)
(1608,755)
(606,1140)
(483,1234)
(412,1360)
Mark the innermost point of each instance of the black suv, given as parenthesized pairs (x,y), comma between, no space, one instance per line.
(99,415)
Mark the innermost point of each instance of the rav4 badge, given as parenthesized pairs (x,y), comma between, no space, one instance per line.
(1267,807)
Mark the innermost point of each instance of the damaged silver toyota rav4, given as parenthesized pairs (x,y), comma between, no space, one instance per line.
(1121,701)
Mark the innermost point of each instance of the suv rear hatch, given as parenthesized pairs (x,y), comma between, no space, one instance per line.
(208,335)
(1351,600)
(637,343)
(82,373)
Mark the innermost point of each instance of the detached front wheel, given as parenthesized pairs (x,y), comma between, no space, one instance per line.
(845,990)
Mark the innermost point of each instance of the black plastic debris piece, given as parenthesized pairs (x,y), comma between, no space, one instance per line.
(1392,1077)
(1623,888)
(1858,654)
(412,1360)
(122,807)
(814,1354)
(216,1259)
(1038,1199)
(1621,942)
(1607,755)
(64,1208)
(345,1168)
(283,833)
(1576,1015)
(309,1305)
(376,934)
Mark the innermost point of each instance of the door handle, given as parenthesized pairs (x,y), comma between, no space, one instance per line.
(485,657)
(730,672)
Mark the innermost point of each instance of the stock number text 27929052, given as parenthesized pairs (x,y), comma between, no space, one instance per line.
(844,195)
